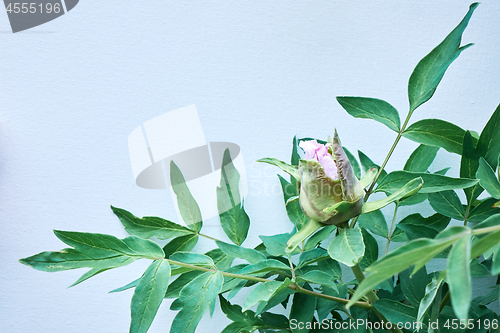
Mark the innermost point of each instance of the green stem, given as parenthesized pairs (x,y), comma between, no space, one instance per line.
(209,237)
(389,154)
(364,305)
(392,228)
(445,300)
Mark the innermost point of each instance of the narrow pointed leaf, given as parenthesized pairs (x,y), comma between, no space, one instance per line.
(276,245)
(290,169)
(347,247)
(430,294)
(430,70)
(319,277)
(368,164)
(354,163)
(413,284)
(368,177)
(195,299)
(318,237)
(183,243)
(421,158)
(263,292)
(189,209)
(234,220)
(488,179)
(371,108)
(193,258)
(148,295)
(489,141)
(432,182)
(375,222)
(468,166)
(416,226)
(437,133)
(410,188)
(448,204)
(150,226)
(458,276)
(250,255)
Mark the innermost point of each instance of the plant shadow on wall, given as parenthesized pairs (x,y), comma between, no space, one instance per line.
(328,193)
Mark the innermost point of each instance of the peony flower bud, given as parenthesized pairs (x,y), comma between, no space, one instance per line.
(329,192)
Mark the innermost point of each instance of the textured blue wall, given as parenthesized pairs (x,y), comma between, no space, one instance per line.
(259,72)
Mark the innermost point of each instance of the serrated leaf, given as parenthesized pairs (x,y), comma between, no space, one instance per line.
(250,255)
(430,70)
(375,222)
(150,226)
(148,295)
(488,179)
(292,170)
(234,220)
(347,247)
(458,276)
(447,203)
(437,133)
(432,182)
(183,243)
(410,188)
(417,252)
(189,209)
(371,108)
(263,292)
(302,311)
(195,299)
(421,158)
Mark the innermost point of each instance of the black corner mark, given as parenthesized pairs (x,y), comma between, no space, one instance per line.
(26,14)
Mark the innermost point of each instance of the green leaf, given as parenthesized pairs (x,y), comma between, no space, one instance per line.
(276,245)
(250,255)
(458,276)
(368,164)
(410,188)
(312,256)
(430,294)
(484,210)
(489,141)
(264,266)
(102,245)
(488,179)
(416,226)
(430,70)
(193,259)
(371,108)
(318,237)
(331,267)
(233,218)
(432,182)
(421,158)
(263,292)
(354,163)
(150,226)
(130,285)
(184,243)
(234,312)
(448,204)
(495,267)
(176,286)
(293,210)
(371,249)
(396,312)
(437,133)
(347,247)
(324,306)
(413,285)
(302,311)
(318,277)
(195,299)
(275,321)
(292,170)
(189,209)
(148,295)
(417,252)
(375,222)
(468,166)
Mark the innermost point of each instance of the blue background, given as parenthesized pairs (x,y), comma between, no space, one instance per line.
(259,73)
